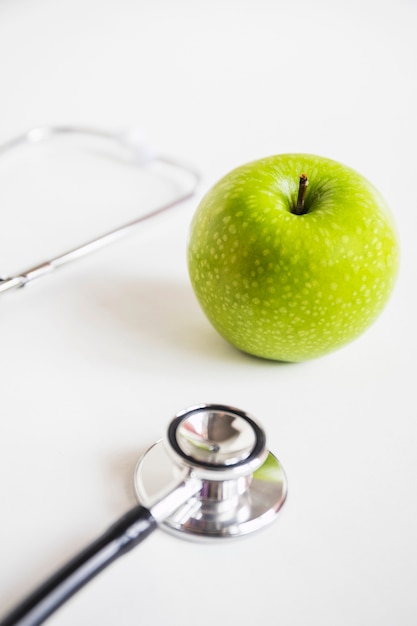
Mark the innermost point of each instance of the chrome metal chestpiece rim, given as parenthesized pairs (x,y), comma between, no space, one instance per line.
(217,438)
(240,486)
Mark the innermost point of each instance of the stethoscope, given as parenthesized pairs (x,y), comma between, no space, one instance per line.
(212,477)
(136,152)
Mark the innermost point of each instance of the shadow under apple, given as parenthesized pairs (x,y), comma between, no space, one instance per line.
(153,314)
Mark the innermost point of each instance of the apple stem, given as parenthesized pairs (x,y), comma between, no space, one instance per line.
(299,207)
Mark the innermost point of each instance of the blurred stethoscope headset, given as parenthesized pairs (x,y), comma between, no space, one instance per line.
(138,153)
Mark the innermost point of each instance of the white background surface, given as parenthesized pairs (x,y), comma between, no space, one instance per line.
(97,358)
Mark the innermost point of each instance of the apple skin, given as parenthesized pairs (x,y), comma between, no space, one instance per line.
(292,287)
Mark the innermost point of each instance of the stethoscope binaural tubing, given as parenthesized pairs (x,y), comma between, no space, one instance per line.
(139,154)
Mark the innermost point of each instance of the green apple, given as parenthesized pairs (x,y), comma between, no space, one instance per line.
(292,256)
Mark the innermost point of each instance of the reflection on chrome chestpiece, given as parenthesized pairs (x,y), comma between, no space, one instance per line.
(239,485)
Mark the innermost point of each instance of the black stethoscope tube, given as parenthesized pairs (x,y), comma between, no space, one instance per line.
(120,538)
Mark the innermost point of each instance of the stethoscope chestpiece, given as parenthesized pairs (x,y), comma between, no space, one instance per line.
(211,477)
(238,485)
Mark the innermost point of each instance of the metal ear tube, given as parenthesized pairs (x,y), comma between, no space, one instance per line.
(211,477)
